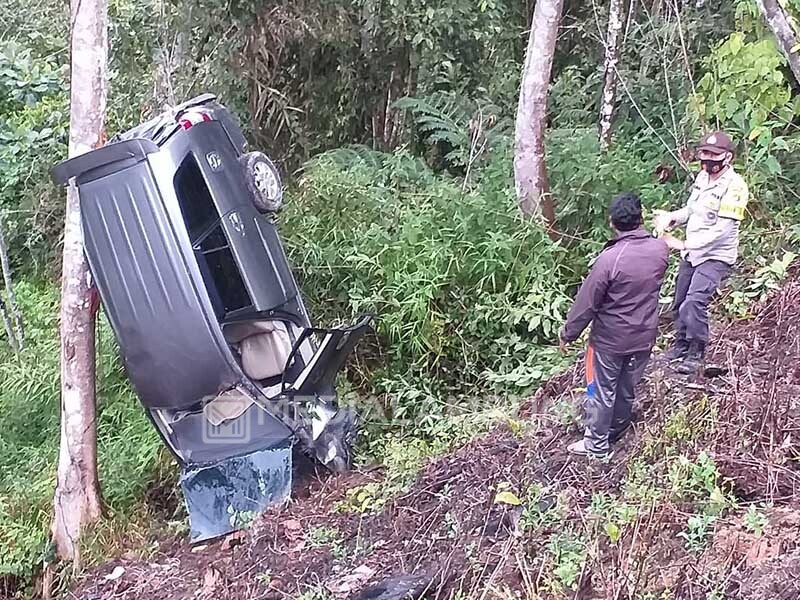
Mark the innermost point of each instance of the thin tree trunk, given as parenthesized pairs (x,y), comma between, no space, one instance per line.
(168,61)
(77,497)
(12,339)
(10,296)
(530,170)
(401,87)
(613,45)
(778,20)
(657,5)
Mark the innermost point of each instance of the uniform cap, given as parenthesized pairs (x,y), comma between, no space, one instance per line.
(717,141)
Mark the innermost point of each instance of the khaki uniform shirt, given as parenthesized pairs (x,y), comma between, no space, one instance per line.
(712,216)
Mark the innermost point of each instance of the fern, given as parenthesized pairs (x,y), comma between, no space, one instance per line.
(450,119)
(350,156)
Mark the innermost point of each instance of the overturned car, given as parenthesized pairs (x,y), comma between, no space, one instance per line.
(182,245)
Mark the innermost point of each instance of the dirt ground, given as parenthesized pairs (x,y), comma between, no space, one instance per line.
(449,535)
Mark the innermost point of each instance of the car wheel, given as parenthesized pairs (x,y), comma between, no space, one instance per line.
(263,181)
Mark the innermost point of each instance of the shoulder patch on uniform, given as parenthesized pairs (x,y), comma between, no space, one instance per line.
(734,202)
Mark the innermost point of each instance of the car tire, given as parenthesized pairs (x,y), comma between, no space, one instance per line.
(263,181)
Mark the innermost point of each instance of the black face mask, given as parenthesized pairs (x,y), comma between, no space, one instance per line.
(712,166)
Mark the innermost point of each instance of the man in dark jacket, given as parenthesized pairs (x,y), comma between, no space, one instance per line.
(620,299)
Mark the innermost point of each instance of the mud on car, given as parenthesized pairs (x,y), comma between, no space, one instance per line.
(180,234)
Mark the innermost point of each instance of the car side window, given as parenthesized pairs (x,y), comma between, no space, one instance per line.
(197,206)
(214,254)
(212,249)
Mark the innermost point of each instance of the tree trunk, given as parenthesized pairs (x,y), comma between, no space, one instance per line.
(77,497)
(613,45)
(778,20)
(12,339)
(19,333)
(530,170)
(168,59)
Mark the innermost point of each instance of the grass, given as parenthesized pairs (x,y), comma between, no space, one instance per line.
(129,451)
(669,469)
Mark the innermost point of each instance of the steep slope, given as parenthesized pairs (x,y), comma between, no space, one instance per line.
(701,500)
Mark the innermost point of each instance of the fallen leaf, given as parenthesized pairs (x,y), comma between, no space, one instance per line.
(115,574)
(198,549)
(507,498)
(613,532)
(292,524)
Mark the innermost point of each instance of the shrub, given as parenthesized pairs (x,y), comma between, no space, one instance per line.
(462,286)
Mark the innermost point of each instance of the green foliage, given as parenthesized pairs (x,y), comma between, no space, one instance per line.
(24,80)
(565,411)
(568,553)
(323,74)
(612,516)
(363,499)
(330,537)
(690,422)
(697,532)
(542,508)
(766,279)
(128,447)
(33,118)
(437,119)
(467,130)
(240,519)
(744,90)
(469,297)
(319,593)
(700,481)
(450,274)
(584,180)
(745,87)
(755,520)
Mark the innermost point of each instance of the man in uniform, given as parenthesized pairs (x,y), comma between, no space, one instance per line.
(712,216)
(620,299)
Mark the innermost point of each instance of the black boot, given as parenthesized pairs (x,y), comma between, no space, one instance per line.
(694,359)
(678,351)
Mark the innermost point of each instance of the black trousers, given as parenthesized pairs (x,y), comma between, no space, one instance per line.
(694,290)
(611,383)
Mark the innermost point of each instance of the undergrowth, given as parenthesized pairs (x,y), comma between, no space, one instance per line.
(469,299)
(466,293)
(129,450)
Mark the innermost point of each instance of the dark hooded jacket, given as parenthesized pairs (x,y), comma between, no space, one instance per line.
(620,295)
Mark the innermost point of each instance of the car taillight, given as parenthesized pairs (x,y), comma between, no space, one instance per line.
(188,119)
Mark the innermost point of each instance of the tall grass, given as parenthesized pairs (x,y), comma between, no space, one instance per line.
(463,288)
(128,447)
